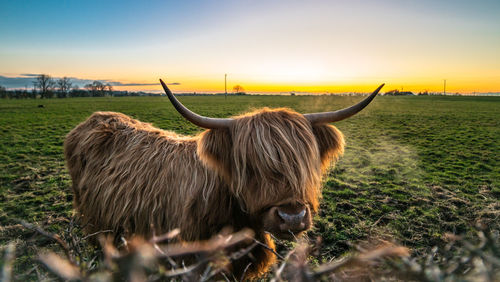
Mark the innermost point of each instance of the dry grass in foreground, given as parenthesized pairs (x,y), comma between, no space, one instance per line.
(160,258)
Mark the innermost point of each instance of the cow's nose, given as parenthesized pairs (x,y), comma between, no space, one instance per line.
(292,219)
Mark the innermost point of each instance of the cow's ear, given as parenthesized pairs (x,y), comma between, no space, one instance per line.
(214,149)
(331,143)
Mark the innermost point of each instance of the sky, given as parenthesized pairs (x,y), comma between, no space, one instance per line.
(264,46)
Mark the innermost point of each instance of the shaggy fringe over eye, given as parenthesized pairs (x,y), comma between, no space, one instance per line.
(276,151)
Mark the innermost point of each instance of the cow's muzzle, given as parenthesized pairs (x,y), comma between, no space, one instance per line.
(288,221)
(292,222)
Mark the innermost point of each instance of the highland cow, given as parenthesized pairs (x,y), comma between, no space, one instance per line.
(261,170)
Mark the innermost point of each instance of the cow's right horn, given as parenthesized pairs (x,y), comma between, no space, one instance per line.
(201,121)
(326,117)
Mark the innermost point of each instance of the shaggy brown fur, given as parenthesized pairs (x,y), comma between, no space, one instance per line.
(128,175)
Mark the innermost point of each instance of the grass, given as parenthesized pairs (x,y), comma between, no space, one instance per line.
(414,168)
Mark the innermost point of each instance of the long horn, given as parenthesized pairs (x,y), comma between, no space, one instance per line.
(327,117)
(201,121)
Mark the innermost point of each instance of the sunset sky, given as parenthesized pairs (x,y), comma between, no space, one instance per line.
(265,46)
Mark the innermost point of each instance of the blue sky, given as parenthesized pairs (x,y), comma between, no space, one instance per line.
(267,45)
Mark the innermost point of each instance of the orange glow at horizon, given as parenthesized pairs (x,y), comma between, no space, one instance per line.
(321,86)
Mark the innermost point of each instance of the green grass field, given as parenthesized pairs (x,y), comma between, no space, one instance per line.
(414,168)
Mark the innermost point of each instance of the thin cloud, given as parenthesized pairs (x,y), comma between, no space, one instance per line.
(16,82)
(118,83)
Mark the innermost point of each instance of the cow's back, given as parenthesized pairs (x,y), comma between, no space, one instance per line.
(126,174)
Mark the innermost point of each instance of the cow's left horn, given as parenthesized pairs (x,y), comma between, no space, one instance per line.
(327,117)
(201,121)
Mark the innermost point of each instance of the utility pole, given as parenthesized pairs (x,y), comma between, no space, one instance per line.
(444,87)
(225,86)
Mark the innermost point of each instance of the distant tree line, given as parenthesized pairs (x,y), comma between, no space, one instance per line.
(45,87)
(396,92)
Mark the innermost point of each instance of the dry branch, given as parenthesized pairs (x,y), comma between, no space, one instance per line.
(366,258)
(10,252)
(51,236)
(217,243)
(60,267)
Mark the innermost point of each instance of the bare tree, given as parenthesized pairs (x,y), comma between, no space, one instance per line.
(91,89)
(64,85)
(97,88)
(110,89)
(3,92)
(45,84)
(238,89)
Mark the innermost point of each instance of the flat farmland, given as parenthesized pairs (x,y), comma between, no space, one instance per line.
(414,168)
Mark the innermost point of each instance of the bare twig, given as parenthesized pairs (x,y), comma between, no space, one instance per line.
(239,254)
(60,267)
(268,248)
(169,259)
(185,270)
(277,276)
(168,236)
(245,271)
(10,252)
(96,233)
(51,236)
(377,221)
(364,258)
(233,257)
(218,243)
